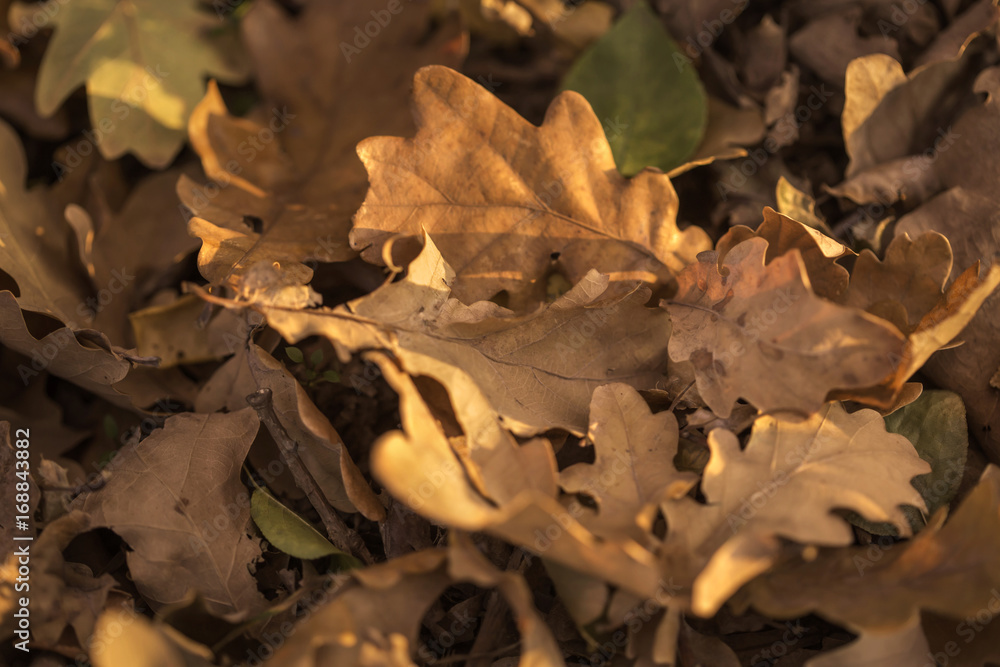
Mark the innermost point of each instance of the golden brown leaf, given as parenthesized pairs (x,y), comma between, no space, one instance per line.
(598,332)
(786,484)
(292,164)
(634,466)
(760,333)
(951,570)
(506,202)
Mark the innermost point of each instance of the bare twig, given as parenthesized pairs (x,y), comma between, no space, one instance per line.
(340,535)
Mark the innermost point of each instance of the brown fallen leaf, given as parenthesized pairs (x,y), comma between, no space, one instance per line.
(489,483)
(177,500)
(123,636)
(786,484)
(826,45)
(760,333)
(541,198)
(319,445)
(893,118)
(951,570)
(634,468)
(538,646)
(86,358)
(905,646)
(35,242)
(907,284)
(374,620)
(291,165)
(597,332)
(819,252)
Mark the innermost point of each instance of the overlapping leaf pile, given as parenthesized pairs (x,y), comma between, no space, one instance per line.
(347,385)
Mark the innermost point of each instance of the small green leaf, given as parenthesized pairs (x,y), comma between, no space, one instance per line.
(295,354)
(287,530)
(935,424)
(331,376)
(110,427)
(310,375)
(316,358)
(645,91)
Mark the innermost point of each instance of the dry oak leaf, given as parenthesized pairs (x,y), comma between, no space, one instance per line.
(507,201)
(759,332)
(907,284)
(952,571)
(374,619)
(291,165)
(538,646)
(786,484)
(319,445)
(819,252)
(167,498)
(633,468)
(436,477)
(537,370)
(125,637)
(35,241)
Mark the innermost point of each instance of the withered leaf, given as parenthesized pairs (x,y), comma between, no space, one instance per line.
(177,500)
(634,466)
(291,165)
(598,332)
(319,445)
(453,484)
(786,483)
(503,198)
(950,570)
(759,332)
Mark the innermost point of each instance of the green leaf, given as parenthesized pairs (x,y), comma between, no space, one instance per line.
(331,376)
(935,424)
(316,358)
(144,63)
(287,530)
(310,375)
(110,427)
(645,91)
(295,354)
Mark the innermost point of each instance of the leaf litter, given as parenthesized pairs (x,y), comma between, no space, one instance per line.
(500,332)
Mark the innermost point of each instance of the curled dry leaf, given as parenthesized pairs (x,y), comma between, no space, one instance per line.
(432,333)
(540,195)
(759,332)
(538,646)
(905,646)
(291,165)
(177,501)
(319,445)
(374,620)
(490,483)
(634,464)
(904,286)
(787,483)
(819,252)
(951,570)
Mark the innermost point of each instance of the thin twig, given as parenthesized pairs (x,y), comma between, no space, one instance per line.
(340,535)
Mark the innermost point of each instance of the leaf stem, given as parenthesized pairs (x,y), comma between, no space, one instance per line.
(341,536)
